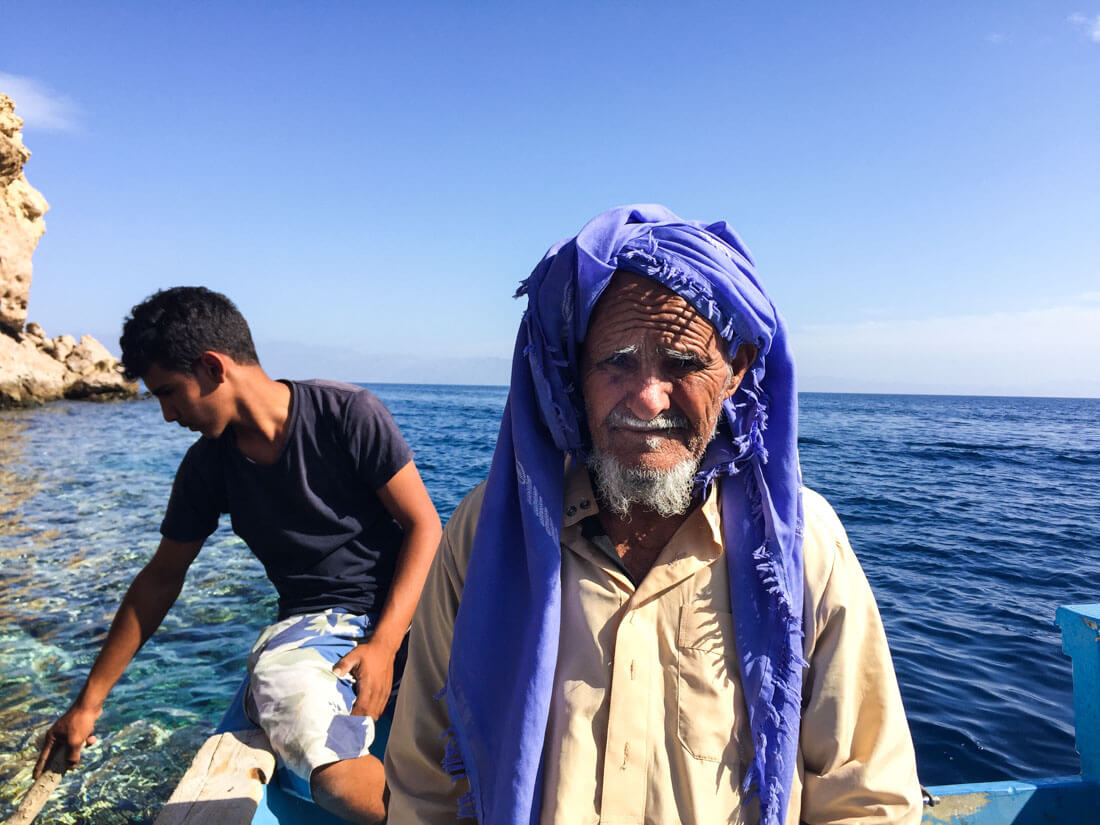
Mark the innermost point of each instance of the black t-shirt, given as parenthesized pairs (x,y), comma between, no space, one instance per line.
(313,517)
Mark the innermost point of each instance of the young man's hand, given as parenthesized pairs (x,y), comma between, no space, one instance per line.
(73,730)
(371,665)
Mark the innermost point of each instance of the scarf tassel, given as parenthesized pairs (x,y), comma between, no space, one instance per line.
(455,766)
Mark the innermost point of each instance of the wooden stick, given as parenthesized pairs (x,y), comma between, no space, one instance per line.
(42,788)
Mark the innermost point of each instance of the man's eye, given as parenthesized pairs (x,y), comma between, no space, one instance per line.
(685,365)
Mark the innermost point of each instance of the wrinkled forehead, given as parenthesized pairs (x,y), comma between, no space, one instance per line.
(634,305)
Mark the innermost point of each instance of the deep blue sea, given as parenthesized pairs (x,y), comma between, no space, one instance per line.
(973,517)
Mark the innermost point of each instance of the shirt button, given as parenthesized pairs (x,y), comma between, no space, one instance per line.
(585,504)
(571,511)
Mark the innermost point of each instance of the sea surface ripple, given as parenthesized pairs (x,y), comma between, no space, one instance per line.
(974,518)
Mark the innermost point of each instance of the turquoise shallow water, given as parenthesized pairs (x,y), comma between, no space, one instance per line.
(974,518)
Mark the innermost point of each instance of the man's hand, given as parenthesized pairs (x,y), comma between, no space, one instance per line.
(371,665)
(73,730)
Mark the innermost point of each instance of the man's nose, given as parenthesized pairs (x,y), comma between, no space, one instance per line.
(651,397)
(167,411)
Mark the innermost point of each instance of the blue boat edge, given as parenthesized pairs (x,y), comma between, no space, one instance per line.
(1062,799)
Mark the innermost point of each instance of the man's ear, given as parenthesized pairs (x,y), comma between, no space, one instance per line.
(739,365)
(214,365)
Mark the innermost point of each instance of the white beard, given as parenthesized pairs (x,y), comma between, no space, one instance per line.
(665,492)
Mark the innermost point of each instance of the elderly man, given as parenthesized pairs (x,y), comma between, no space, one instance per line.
(642,616)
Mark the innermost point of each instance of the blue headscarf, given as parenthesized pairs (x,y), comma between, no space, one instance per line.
(505,643)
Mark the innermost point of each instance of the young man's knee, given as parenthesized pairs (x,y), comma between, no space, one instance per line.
(352,788)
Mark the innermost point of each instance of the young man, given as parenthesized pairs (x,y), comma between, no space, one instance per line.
(322,487)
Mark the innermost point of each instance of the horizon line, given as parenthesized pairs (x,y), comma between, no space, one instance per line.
(800,392)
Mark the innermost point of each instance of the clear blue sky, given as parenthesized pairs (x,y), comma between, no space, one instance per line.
(919,182)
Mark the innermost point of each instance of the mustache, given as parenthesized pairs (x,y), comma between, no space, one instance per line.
(661,421)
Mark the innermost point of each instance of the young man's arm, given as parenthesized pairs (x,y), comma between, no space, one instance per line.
(371,663)
(151,594)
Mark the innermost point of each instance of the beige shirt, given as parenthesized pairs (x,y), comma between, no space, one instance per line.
(647,720)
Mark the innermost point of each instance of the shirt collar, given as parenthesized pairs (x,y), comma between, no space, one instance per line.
(578,500)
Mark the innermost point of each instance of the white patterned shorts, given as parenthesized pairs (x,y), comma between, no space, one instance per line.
(298,701)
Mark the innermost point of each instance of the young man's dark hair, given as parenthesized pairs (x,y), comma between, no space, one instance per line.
(174,327)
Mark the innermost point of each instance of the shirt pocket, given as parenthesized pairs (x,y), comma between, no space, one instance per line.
(706,687)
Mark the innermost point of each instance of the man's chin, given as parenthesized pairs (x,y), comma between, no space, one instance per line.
(663,486)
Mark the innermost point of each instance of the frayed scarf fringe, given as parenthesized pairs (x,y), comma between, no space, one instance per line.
(764,777)
(455,766)
(466,809)
(756,784)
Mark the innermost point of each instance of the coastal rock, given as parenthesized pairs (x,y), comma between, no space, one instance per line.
(34,367)
(88,357)
(27,374)
(21,223)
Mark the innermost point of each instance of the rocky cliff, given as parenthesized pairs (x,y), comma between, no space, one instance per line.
(33,366)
